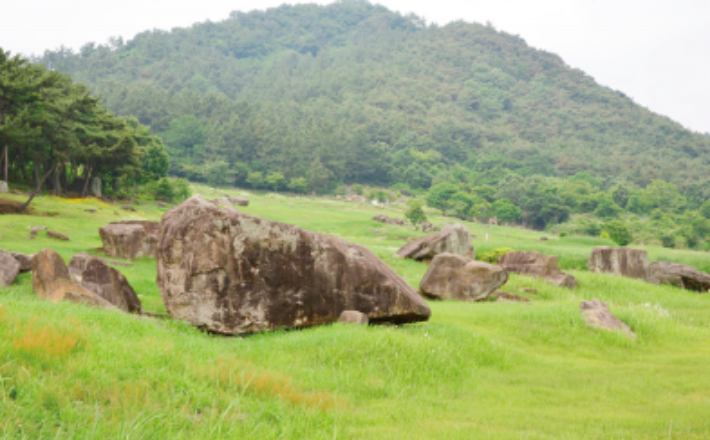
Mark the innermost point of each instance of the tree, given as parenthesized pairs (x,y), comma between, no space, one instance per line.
(298,184)
(618,232)
(607,208)
(439,196)
(414,213)
(506,211)
(256,180)
(276,180)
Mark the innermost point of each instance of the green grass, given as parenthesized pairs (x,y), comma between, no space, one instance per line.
(474,371)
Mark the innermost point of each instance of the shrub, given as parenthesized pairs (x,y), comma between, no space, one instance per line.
(668,240)
(618,232)
(357,189)
(414,213)
(298,185)
(563,234)
(493,256)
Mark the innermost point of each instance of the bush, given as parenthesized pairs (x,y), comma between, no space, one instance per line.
(298,185)
(563,234)
(618,232)
(414,213)
(357,189)
(493,256)
(668,240)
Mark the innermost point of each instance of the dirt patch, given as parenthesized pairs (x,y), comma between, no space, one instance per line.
(8,206)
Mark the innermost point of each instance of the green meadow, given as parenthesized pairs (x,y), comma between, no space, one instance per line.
(473,371)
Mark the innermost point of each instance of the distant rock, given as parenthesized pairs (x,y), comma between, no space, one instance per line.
(9,268)
(95,187)
(353,317)
(57,235)
(95,275)
(90,210)
(232,273)
(161,205)
(222,202)
(3,187)
(453,239)
(24,260)
(239,201)
(597,315)
(14,191)
(456,277)
(51,281)
(426,227)
(537,265)
(130,240)
(680,275)
(621,261)
(543,238)
(390,221)
(128,208)
(508,297)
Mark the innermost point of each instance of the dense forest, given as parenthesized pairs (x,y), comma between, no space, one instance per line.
(311,98)
(53,130)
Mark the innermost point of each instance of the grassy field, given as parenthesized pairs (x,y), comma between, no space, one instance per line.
(474,371)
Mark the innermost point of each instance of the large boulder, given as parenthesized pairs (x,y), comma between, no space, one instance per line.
(51,281)
(452,276)
(233,273)
(537,265)
(130,239)
(9,268)
(597,314)
(95,275)
(24,260)
(621,261)
(453,239)
(680,275)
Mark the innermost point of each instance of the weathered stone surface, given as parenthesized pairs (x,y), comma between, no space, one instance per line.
(132,239)
(9,268)
(51,281)
(426,227)
(24,260)
(3,187)
(222,202)
(390,221)
(95,187)
(232,273)
(57,235)
(597,314)
(456,277)
(95,275)
(353,317)
(453,239)
(685,277)
(239,201)
(622,261)
(505,296)
(537,265)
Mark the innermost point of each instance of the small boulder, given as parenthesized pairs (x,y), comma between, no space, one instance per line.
(685,277)
(508,297)
(3,187)
(456,277)
(537,265)
(90,210)
(597,315)
(9,268)
(543,238)
(390,221)
(453,239)
(233,273)
(57,235)
(425,227)
(130,240)
(621,261)
(24,260)
(127,208)
(239,201)
(161,205)
(222,202)
(353,317)
(95,275)
(51,281)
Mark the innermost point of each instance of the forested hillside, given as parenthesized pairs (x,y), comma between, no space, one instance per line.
(352,92)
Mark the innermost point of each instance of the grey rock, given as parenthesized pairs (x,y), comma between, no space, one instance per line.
(621,261)
(93,274)
(454,239)
(57,235)
(3,187)
(95,187)
(390,221)
(239,201)
(24,260)
(537,265)
(9,268)
(353,317)
(597,315)
(456,277)
(680,275)
(232,273)
(131,239)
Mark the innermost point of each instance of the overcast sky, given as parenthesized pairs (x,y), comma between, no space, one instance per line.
(656,52)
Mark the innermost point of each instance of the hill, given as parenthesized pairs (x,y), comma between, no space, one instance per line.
(352,92)
(475,370)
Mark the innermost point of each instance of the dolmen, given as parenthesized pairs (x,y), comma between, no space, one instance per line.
(597,314)
(95,275)
(620,261)
(233,273)
(537,265)
(680,275)
(455,277)
(453,239)
(130,239)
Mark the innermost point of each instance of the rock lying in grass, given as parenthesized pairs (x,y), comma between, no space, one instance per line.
(685,277)
(353,317)
(456,277)
(597,315)
(57,235)
(239,201)
(95,275)
(51,281)
(453,239)
(426,227)
(131,239)
(24,260)
(9,268)
(390,221)
(508,297)
(621,261)
(537,265)
(232,273)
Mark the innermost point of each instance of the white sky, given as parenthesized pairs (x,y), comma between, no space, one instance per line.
(655,51)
